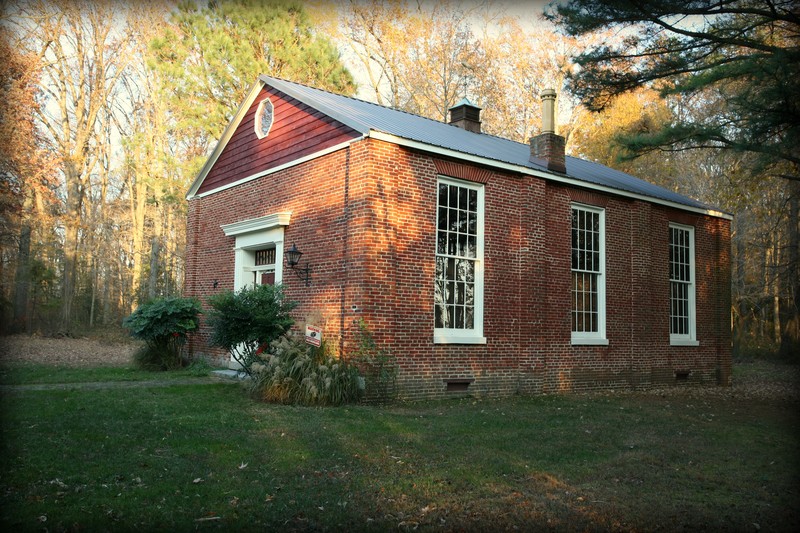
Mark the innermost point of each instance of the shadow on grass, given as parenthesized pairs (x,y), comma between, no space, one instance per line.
(188,457)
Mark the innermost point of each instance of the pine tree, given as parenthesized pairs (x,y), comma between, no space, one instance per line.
(209,57)
(733,68)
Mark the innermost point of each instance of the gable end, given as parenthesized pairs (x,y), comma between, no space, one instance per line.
(297,131)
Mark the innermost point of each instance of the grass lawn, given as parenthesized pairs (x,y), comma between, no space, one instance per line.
(204,456)
(36,374)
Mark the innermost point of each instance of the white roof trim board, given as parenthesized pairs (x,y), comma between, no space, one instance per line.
(226,136)
(257,224)
(406,129)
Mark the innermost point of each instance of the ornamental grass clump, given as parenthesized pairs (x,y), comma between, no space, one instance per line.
(163,324)
(297,373)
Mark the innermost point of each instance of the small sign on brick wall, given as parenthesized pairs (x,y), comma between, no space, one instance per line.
(313,335)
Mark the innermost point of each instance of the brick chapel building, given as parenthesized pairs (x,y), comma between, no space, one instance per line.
(482,264)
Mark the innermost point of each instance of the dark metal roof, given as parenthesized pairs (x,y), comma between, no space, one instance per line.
(365,117)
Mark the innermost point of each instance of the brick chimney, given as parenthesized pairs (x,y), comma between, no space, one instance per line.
(466,115)
(547,148)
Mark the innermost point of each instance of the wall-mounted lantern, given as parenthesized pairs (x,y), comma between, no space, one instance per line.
(293,260)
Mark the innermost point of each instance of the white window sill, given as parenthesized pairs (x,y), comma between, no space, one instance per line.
(456,338)
(584,341)
(683,342)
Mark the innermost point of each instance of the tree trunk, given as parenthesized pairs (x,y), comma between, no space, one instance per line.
(94,293)
(740,308)
(790,337)
(154,261)
(22,282)
(71,235)
(776,311)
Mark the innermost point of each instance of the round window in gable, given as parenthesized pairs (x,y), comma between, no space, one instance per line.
(264,117)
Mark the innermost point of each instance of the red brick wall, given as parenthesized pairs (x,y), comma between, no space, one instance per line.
(365,216)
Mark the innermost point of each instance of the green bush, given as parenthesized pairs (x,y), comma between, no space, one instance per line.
(163,324)
(246,321)
(297,373)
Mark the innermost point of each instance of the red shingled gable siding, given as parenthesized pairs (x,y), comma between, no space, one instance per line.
(297,131)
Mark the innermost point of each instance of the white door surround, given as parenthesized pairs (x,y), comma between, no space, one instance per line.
(253,235)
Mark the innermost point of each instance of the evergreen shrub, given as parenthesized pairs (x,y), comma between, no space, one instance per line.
(246,321)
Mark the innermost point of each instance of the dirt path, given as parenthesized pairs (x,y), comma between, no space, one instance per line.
(69,352)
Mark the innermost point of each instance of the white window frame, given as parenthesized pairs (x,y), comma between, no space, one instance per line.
(592,337)
(474,335)
(252,272)
(258,116)
(690,337)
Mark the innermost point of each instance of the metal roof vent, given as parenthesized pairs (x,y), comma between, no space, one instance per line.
(466,115)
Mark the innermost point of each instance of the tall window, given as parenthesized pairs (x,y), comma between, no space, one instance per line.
(681,284)
(588,269)
(458,292)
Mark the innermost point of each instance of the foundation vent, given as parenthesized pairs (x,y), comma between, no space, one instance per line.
(458,385)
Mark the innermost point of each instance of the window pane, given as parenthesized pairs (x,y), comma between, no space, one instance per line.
(462,221)
(442,223)
(462,245)
(441,242)
(453,225)
(469,270)
(265,257)
(462,198)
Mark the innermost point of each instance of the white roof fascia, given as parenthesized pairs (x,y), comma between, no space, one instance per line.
(257,224)
(226,136)
(284,166)
(538,173)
